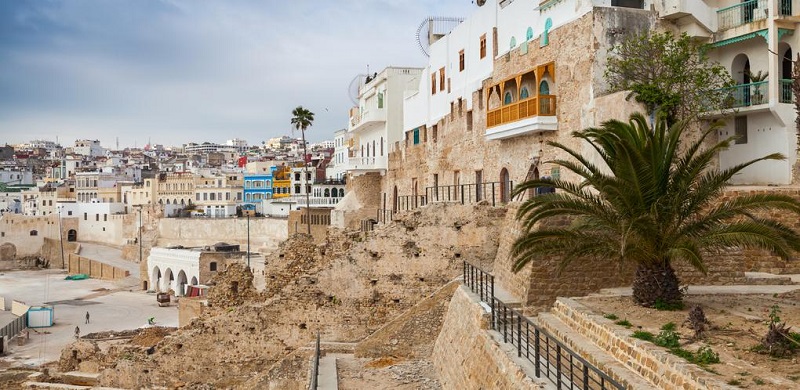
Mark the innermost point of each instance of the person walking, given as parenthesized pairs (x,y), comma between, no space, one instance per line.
(77,332)
(87,317)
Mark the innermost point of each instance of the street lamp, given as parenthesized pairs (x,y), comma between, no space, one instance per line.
(61,236)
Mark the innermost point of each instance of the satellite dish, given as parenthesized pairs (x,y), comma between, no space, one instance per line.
(481,2)
(353,88)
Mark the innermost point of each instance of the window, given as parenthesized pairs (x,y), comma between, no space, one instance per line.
(197,196)
(380,99)
(212,266)
(441,79)
(297,188)
(482,46)
(34,233)
(433,83)
(529,34)
(381,146)
(523,94)
(85,217)
(509,98)
(97,217)
(469,120)
(544,88)
(461,61)
(740,127)
(435,132)
(105,217)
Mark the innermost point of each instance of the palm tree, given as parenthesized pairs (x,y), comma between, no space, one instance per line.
(302,119)
(655,202)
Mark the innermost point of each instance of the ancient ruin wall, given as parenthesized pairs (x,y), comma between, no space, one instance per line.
(264,232)
(467,357)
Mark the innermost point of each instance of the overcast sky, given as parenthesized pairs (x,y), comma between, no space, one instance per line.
(178,71)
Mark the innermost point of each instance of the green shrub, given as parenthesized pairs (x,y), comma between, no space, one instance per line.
(668,338)
(705,355)
(663,306)
(643,335)
(612,317)
(624,323)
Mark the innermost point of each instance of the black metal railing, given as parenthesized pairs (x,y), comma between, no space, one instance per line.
(315,366)
(368,225)
(479,281)
(551,358)
(385,216)
(410,202)
(493,192)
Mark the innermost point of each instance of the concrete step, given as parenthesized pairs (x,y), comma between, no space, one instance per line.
(592,353)
(328,377)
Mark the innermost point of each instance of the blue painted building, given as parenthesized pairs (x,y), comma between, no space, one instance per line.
(257,187)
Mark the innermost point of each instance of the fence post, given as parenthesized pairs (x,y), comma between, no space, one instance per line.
(519,335)
(536,351)
(493,204)
(462,194)
(585,376)
(505,321)
(558,364)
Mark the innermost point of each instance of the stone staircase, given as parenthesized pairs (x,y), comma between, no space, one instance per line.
(635,363)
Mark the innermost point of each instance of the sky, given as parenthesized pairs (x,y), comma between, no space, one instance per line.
(176,71)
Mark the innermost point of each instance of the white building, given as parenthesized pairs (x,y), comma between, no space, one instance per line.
(16,176)
(377,123)
(90,148)
(337,168)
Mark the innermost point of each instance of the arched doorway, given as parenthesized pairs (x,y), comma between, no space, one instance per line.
(505,186)
(180,287)
(144,285)
(166,283)
(533,174)
(194,281)
(72,235)
(155,279)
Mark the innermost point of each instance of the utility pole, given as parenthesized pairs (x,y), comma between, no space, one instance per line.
(248,239)
(61,237)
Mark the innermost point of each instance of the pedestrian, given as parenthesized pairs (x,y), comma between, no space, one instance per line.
(77,332)
(87,317)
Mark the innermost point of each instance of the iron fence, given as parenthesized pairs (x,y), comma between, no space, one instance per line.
(410,202)
(315,366)
(368,225)
(385,216)
(12,328)
(787,95)
(493,192)
(551,358)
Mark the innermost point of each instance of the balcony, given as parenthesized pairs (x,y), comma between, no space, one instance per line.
(365,164)
(373,116)
(786,94)
(534,114)
(748,95)
(744,13)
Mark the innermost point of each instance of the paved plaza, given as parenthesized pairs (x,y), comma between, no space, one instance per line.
(117,305)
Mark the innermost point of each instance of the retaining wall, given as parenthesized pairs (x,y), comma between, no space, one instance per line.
(95,269)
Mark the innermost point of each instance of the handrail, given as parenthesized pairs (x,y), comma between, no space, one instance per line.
(315,367)
(750,94)
(551,358)
(540,105)
(493,192)
(742,13)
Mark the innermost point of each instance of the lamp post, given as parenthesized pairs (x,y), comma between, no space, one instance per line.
(61,237)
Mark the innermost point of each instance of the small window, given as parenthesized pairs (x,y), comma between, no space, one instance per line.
(529,34)
(212,266)
(469,120)
(34,233)
(740,124)
(509,98)
(483,46)
(461,63)
(523,94)
(433,83)
(441,79)
(544,88)
(513,43)
(105,217)
(380,99)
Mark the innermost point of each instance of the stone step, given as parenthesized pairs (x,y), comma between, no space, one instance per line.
(655,364)
(80,378)
(592,353)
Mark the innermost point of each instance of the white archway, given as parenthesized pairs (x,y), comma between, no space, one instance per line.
(155,279)
(169,276)
(180,285)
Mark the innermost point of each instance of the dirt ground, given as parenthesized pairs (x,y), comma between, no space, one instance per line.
(386,373)
(737,324)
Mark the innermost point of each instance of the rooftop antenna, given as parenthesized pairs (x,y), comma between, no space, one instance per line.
(432,29)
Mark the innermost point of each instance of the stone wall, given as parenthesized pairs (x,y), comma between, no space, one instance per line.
(467,357)
(190,308)
(265,233)
(51,251)
(95,269)
(362,201)
(320,222)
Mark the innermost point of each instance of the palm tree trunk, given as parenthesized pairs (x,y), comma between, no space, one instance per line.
(657,284)
(305,172)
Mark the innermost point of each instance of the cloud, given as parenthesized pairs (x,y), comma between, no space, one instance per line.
(182,71)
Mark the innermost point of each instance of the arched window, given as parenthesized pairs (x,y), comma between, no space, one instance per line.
(505,186)
(341,192)
(34,233)
(544,88)
(513,42)
(327,192)
(509,98)
(523,94)
(548,24)
(529,34)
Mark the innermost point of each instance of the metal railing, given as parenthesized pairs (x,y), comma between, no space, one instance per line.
(785,8)
(410,202)
(13,327)
(493,192)
(315,366)
(551,358)
(742,13)
(385,216)
(787,95)
(368,225)
(746,95)
(479,281)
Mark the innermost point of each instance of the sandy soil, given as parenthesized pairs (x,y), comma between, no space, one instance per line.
(737,324)
(386,373)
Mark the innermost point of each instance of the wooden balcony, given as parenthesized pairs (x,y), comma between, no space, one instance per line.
(543,105)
